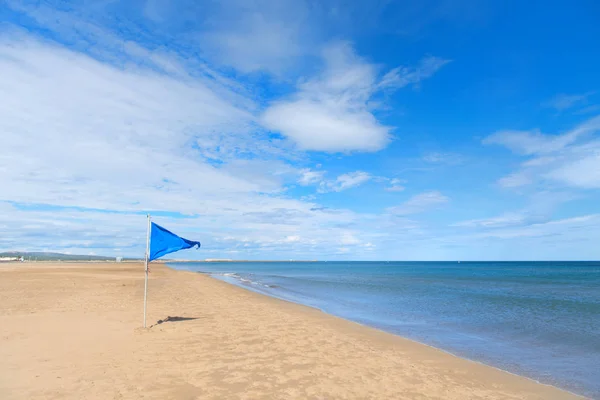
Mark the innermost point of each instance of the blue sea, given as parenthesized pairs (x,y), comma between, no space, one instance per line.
(537,319)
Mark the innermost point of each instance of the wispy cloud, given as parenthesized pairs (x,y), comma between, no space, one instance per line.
(396,185)
(95,121)
(572,158)
(442,158)
(217,120)
(542,205)
(332,112)
(535,142)
(259,35)
(400,77)
(581,172)
(121,127)
(501,221)
(595,108)
(531,240)
(345,181)
(420,203)
(117,141)
(551,228)
(517,179)
(79,231)
(310,177)
(563,102)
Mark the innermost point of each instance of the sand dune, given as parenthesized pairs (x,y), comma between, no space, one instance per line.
(73,331)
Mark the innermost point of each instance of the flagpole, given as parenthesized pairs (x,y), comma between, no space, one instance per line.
(146,263)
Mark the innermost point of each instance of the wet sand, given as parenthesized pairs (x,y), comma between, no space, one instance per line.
(73,330)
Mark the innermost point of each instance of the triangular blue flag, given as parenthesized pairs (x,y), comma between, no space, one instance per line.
(164,242)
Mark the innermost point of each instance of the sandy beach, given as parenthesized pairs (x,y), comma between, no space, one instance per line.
(73,330)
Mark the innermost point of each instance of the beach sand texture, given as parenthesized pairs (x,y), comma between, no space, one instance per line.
(73,331)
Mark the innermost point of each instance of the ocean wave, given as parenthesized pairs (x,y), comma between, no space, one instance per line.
(244,279)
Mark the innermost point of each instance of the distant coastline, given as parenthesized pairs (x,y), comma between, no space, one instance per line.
(227,260)
(29,256)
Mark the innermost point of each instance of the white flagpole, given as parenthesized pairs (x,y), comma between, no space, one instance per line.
(146,262)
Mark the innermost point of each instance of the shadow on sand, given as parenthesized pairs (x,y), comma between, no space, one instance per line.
(172,319)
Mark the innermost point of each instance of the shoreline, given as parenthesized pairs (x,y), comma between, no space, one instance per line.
(210,275)
(73,329)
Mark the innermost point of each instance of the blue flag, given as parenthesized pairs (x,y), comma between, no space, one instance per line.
(164,242)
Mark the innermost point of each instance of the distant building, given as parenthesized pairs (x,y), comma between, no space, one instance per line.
(118,259)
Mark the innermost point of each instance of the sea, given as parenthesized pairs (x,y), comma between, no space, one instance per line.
(536,319)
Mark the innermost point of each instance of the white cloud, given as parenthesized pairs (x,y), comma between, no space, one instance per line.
(74,123)
(301,232)
(101,130)
(571,158)
(583,173)
(562,102)
(551,228)
(250,36)
(442,158)
(540,161)
(352,179)
(332,127)
(531,240)
(89,136)
(395,188)
(420,203)
(310,177)
(508,219)
(333,112)
(594,108)
(292,239)
(257,36)
(396,185)
(402,76)
(345,181)
(504,220)
(542,205)
(532,142)
(349,238)
(330,113)
(276,37)
(517,179)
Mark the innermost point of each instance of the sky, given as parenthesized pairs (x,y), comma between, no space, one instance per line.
(300,129)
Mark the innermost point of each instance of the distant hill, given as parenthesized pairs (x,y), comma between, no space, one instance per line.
(48,256)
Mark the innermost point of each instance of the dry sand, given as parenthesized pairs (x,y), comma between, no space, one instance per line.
(73,331)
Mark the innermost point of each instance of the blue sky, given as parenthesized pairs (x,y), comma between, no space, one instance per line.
(443,130)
